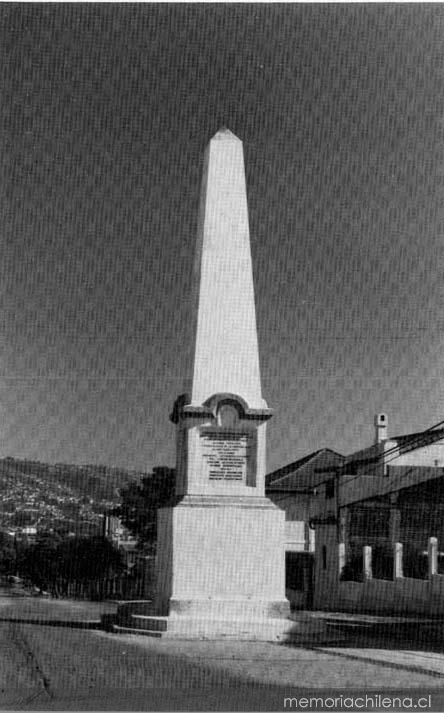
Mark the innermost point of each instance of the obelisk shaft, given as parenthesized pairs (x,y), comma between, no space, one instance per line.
(226,358)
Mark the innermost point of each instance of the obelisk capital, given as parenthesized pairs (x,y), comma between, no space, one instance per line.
(225,134)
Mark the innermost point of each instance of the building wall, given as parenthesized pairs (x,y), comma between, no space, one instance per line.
(298,511)
(326,565)
(383,488)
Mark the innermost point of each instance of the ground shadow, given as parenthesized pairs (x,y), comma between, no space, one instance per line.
(54,622)
(415,635)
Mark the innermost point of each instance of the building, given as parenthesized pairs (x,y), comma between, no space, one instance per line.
(293,489)
(379,526)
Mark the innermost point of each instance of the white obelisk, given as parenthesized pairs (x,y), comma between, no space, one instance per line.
(221,560)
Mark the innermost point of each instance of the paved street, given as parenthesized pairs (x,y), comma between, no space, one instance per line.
(53,658)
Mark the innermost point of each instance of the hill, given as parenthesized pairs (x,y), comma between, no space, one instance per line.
(62,496)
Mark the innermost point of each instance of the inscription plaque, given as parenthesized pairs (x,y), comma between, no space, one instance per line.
(226,453)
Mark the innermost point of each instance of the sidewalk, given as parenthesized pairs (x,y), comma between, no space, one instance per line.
(350,617)
(415,661)
(296,666)
(396,632)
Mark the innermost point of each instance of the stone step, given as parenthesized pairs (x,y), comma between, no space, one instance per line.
(117,629)
(126,610)
(107,621)
(136,606)
(152,623)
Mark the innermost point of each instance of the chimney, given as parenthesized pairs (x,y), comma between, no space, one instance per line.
(380,427)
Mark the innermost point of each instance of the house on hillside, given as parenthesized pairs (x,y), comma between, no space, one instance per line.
(28,534)
(293,489)
(379,526)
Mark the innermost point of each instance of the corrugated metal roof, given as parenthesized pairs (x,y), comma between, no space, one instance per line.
(303,473)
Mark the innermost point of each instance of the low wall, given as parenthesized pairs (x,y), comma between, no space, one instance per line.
(436,594)
(398,597)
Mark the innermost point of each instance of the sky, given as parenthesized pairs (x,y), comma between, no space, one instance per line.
(106,110)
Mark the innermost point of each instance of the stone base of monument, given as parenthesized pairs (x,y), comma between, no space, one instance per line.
(228,618)
(220,567)
(220,570)
(302,628)
(248,630)
(201,627)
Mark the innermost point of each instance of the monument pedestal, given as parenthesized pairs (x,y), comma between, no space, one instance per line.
(220,566)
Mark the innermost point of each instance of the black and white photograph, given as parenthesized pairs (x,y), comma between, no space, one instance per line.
(222,356)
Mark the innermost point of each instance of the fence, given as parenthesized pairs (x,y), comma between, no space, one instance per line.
(125,586)
(116,588)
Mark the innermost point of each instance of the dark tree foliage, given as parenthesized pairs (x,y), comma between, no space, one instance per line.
(83,559)
(38,562)
(140,502)
(52,563)
(7,554)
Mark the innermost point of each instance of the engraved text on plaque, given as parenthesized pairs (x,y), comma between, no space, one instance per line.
(226,453)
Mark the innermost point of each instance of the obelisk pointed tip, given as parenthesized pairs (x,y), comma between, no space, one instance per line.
(225,134)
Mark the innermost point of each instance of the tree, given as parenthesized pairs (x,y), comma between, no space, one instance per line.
(83,559)
(52,563)
(7,554)
(39,562)
(140,502)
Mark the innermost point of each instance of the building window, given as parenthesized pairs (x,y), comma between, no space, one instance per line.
(324,557)
(330,489)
